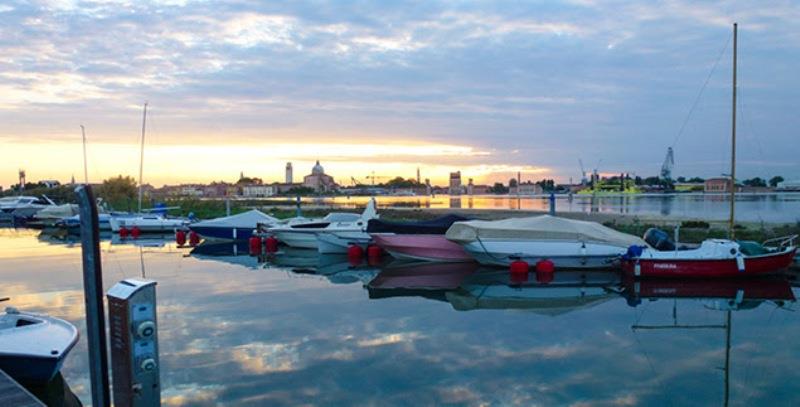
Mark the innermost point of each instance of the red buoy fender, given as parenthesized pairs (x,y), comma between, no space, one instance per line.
(271,244)
(518,267)
(123,232)
(180,237)
(355,251)
(136,232)
(374,251)
(194,238)
(255,245)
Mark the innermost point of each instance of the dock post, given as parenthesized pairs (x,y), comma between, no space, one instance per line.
(227,207)
(93,296)
(299,212)
(552,204)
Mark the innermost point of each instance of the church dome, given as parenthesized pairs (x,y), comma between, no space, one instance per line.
(317,170)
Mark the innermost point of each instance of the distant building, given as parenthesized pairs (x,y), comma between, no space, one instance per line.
(455,183)
(257,191)
(289,173)
(49,183)
(192,190)
(319,181)
(788,186)
(717,185)
(526,188)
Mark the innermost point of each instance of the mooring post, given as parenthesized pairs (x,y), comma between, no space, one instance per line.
(227,207)
(93,297)
(552,204)
(299,211)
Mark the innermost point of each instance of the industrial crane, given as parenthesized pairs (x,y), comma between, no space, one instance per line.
(666,167)
(583,173)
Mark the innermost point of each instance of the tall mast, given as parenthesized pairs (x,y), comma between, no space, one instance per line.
(85,171)
(141,156)
(733,141)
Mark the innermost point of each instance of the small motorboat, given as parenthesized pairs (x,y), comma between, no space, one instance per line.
(72,224)
(20,207)
(423,240)
(234,227)
(337,238)
(304,234)
(713,258)
(148,223)
(32,346)
(52,214)
(568,243)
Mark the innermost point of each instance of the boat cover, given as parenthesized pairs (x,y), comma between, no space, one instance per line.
(436,226)
(247,219)
(543,227)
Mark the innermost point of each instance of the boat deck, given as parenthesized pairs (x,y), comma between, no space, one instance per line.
(13,394)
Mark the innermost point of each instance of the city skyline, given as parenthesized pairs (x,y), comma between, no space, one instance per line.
(485,89)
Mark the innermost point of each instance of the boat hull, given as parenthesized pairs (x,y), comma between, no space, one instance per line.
(147,225)
(421,247)
(222,233)
(31,369)
(300,240)
(709,268)
(563,254)
(339,242)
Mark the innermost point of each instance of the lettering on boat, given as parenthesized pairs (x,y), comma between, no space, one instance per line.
(670,266)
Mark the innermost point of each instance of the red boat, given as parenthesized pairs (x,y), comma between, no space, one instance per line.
(713,259)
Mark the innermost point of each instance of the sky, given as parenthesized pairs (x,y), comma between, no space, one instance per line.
(487,87)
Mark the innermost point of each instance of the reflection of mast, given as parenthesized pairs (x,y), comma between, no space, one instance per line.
(726,327)
(141,260)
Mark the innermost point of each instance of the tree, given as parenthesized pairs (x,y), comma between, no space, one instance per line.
(681,179)
(119,191)
(499,188)
(399,182)
(696,180)
(512,183)
(755,182)
(774,181)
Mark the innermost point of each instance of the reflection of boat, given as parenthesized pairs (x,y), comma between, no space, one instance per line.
(150,240)
(226,252)
(736,291)
(714,258)
(419,279)
(567,243)
(566,292)
(235,227)
(303,234)
(423,240)
(336,268)
(33,346)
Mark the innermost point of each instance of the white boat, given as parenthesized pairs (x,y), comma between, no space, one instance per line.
(20,207)
(51,214)
(336,239)
(147,223)
(567,243)
(235,227)
(32,346)
(304,234)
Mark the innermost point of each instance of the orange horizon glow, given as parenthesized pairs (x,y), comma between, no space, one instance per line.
(204,163)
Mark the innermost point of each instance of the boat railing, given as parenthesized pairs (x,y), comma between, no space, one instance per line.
(780,242)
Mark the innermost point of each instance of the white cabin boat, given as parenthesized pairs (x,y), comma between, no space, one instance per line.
(304,235)
(148,223)
(20,207)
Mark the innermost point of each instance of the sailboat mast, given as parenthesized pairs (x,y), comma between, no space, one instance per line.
(141,156)
(733,141)
(85,170)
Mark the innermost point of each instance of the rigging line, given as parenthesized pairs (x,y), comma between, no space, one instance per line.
(700,94)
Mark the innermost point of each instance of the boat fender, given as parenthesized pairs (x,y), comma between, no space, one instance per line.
(123,232)
(374,251)
(194,238)
(255,245)
(545,266)
(180,237)
(355,251)
(518,267)
(740,262)
(136,232)
(271,244)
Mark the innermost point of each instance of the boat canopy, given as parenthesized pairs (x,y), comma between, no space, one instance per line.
(436,226)
(543,227)
(247,219)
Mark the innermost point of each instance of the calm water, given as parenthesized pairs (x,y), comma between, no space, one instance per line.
(235,331)
(782,207)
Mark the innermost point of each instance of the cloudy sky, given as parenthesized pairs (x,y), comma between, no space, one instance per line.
(488,88)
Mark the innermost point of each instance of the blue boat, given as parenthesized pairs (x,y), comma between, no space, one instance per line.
(235,227)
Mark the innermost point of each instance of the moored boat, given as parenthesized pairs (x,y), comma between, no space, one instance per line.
(423,240)
(568,243)
(32,346)
(304,234)
(148,223)
(714,258)
(234,227)
(20,207)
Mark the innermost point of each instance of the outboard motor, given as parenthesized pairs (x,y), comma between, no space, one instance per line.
(658,239)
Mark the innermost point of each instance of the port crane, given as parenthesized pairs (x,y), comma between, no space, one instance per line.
(583,173)
(666,167)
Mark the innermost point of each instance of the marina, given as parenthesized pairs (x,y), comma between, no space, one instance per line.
(278,331)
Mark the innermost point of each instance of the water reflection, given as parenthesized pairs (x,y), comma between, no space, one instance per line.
(237,329)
